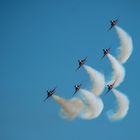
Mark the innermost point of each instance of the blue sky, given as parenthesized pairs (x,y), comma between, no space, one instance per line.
(40,42)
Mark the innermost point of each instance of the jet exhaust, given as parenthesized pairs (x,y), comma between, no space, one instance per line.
(93,105)
(122,106)
(126,45)
(97,79)
(118,71)
(70,109)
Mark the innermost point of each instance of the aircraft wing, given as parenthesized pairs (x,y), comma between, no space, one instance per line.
(117,19)
(74,93)
(107,91)
(54,89)
(46,98)
(110,28)
(114,83)
(78,68)
(85,59)
(103,56)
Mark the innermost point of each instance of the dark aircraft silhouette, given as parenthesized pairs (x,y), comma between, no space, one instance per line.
(77,88)
(110,87)
(81,63)
(105,51)
(113,23)
(50,93)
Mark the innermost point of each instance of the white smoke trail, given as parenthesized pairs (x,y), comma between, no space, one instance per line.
(126,45)
(93,105)
(70,109)
(97,78)
(122,106)
(119,71)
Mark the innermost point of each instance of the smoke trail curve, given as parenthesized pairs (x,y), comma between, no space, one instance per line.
(97,78)
(93,105)
(70,109)
(118,71)
(122,106)
(126,45)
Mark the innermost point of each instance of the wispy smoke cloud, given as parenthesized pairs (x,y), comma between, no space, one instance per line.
(122,106)
(118,71)
(126,45)
(70,109)
(97,78)
(93,105)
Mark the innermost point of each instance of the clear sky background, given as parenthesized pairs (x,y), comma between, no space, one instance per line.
(40,42)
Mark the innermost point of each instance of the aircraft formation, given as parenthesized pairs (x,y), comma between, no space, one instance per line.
(117,78)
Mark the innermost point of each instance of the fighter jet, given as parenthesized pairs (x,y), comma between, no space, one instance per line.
(81,62)
(77,87)
(110,87)
(50,93)
(113,23)
(105,51)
